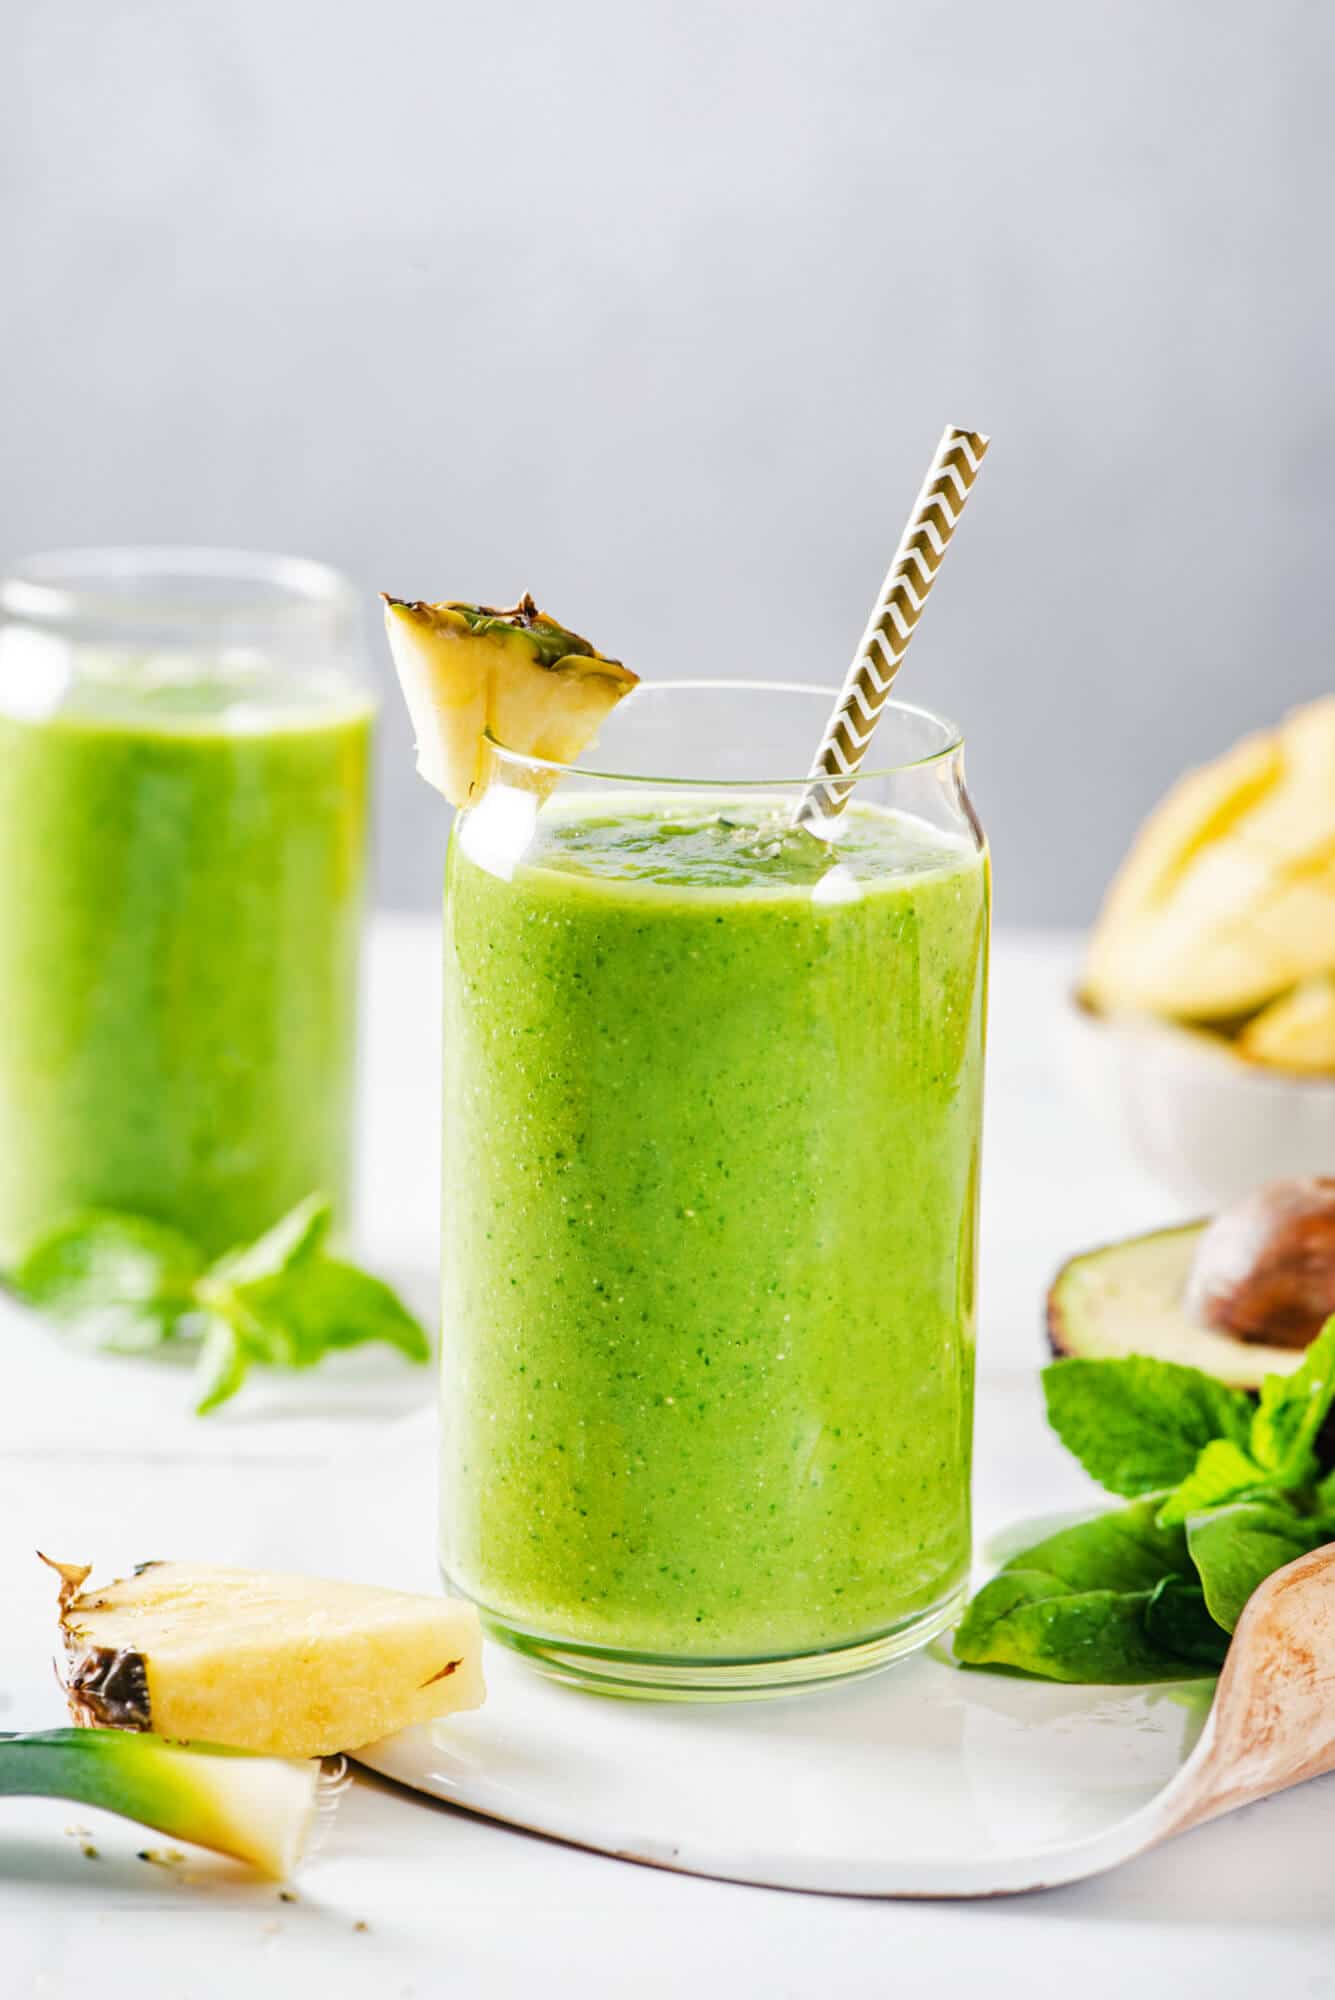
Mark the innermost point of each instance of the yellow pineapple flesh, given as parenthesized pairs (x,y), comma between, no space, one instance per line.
(1227,898)
(288,1666)
(1297,1031)
(469,672)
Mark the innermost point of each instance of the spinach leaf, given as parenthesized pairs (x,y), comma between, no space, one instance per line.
(1236,1548)
(1178,1619)
(1077,1605)
(1026,1619)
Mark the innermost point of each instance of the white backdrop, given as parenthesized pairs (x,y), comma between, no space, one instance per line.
(657,309)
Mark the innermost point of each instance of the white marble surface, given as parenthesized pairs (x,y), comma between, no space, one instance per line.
(99,1460)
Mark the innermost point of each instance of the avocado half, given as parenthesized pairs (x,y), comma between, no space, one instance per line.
(1127,1298)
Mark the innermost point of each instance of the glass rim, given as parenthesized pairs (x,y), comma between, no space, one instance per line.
(951,747)
(73,586)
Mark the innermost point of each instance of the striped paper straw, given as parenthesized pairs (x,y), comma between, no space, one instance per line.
(892,624)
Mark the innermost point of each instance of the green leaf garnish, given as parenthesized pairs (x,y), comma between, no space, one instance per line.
(294,1317)
(1222,1472)
(1153,1591)
(128,1283)
(1123,1550)
(295,1236)
(115,1281)
(1077,1606)
(222,1364)
(1291,1412)
(1236,1548)
(1138,1425)
(1178,1618)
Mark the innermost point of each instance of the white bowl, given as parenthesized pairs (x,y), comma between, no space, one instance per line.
(1205,1123)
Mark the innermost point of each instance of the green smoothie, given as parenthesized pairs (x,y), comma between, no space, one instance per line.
(181,866)
(712,1114)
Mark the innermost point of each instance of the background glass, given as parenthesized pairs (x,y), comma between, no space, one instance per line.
(183,809)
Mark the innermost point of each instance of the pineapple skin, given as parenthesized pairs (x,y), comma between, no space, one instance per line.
(282,1666)
(260,1810)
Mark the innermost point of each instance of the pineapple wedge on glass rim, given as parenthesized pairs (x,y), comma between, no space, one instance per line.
(285,1666)
(469,672)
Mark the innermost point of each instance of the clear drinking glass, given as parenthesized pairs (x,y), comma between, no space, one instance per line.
(712,1116)
(184,745)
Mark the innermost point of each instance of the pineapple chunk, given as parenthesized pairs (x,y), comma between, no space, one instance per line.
(1297,1031)
(468,672)
(284,1665)
(260,1809)
(1227,897)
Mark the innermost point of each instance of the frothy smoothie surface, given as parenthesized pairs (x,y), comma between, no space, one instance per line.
(711,1163)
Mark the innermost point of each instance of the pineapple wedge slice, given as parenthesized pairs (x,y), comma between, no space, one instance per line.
(1295,1032)
(468,672)
(286,1666)
(260,1809)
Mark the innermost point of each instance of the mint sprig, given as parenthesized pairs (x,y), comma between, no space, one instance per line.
(1226,1491)
(1139,1425)
(127,1284)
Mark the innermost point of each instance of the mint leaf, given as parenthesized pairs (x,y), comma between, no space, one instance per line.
(129,1283)
(296,1316)
(1178,1619)
(1292,1410)
(115,1281)
(1222,1472)
(298,1235)
(1236,1548)
(1138,1425)
(1025,1620)
(222,1364)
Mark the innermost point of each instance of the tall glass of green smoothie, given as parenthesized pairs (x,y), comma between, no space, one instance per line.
(712,1116)
(183,791)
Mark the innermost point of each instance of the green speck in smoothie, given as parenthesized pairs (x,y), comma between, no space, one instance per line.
(745,1427)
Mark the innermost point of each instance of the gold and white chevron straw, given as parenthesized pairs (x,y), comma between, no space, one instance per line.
(893,621)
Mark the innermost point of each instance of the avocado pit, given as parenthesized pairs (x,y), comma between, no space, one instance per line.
(1264,1269)
(1240,1296)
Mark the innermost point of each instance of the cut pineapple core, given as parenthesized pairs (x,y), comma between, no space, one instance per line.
(284,1665)
(469,673)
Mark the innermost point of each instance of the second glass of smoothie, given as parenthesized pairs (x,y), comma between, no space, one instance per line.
(712,1124)
(184,767)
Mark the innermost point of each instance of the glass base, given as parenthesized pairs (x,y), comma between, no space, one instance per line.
(654,1677)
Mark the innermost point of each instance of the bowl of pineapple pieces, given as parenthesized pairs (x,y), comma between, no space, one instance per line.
(1204,1023)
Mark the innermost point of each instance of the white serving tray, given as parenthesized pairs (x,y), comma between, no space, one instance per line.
(921,1781)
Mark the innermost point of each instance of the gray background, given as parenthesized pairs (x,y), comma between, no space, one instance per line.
(658,309)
